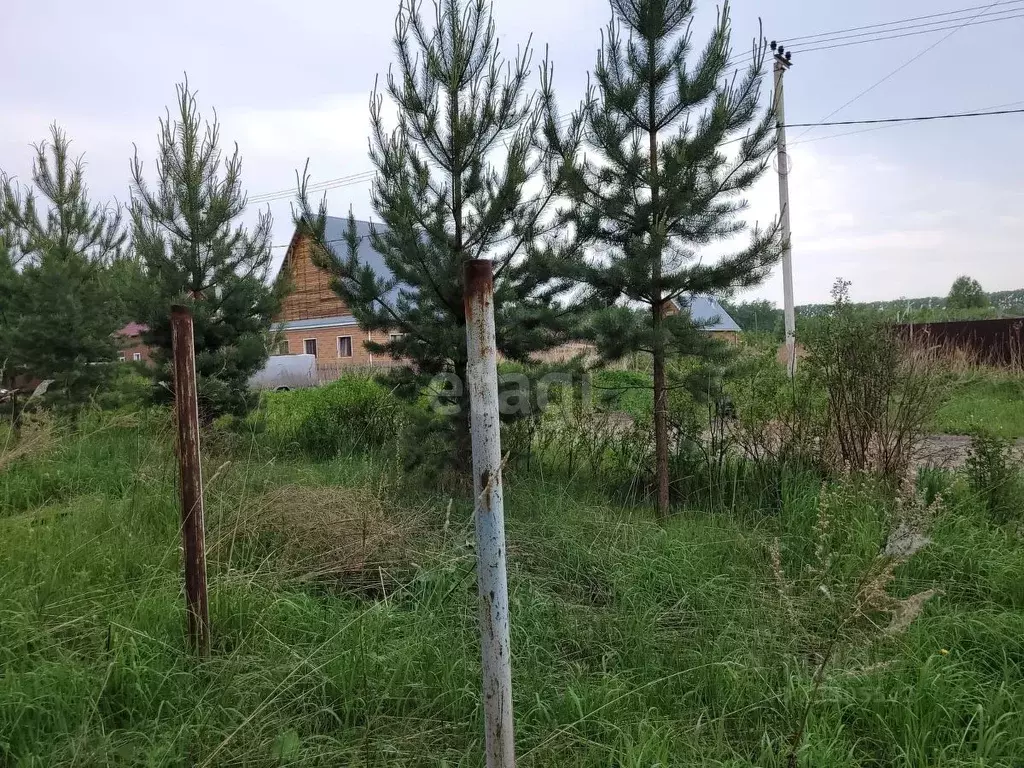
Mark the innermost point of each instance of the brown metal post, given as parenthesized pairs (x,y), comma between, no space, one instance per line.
(193,533)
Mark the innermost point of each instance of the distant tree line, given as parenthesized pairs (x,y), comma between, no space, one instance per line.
(966,300)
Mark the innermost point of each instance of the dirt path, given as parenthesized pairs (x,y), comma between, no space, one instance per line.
(950,451)
(938,450)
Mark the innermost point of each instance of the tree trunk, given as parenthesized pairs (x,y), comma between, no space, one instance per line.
(660,417)
(657,307)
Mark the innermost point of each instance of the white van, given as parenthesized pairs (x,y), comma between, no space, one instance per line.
(285,372)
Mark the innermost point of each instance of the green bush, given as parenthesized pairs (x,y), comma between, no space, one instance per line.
(128,389)
(992,475)
(353,413)
(882,394)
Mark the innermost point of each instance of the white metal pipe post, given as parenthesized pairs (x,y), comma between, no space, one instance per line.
(782,63)
(489,512)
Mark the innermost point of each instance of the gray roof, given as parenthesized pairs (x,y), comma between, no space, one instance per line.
(336,232)
(707,313)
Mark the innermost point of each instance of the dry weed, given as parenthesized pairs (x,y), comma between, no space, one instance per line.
(858,606)
(36,436)
(349,537)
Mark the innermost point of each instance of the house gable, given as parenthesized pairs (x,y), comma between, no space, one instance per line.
(310,296)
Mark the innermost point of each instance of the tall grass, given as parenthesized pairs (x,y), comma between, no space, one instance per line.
(635,644)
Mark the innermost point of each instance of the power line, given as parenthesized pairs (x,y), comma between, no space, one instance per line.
(954,27)
(882,127)
(915,119)
(887,121)
(879,122)
(889,30)
(811,39)
(351,180)
(898,69)
(319,186)
(746,60)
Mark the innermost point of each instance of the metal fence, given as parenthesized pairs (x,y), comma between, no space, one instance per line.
(987,342)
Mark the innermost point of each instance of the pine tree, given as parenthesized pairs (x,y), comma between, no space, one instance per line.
(186,232)
(59,321)
(661,177)
(130,287)
(451,186)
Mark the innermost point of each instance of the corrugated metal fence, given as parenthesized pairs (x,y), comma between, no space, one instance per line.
(988,342)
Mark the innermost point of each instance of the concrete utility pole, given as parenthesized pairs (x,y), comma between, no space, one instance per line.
(783,61)
(492,578)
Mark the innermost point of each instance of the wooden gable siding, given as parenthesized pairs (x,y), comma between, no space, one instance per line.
(310,296)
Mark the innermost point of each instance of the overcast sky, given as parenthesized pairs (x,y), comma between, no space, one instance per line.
(900,211)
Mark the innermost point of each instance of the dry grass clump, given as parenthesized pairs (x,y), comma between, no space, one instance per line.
(36,436)
(352,538)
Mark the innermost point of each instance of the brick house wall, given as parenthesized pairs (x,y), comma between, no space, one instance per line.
(328,348)
(136,351)
(130,347)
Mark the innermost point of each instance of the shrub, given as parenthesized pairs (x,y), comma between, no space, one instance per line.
(993,475)
(835,578)
(127,389)
(881,393)
(353,413)
(778,427)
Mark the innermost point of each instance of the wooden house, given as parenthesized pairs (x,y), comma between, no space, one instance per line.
(313,320)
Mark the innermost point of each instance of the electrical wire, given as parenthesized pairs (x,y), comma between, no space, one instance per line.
(835,40)
(878,123)
(882,127)
(889,30)
(915,119)
(954,27)
(883,121)
(814,39)
(319,186)
(898,69)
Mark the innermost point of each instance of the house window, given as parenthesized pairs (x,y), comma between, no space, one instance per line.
(396,336)
(281,347)
(344,346)
(120,357)
(137,356)
(310,346)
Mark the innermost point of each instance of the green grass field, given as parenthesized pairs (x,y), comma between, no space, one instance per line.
(343,610)
(992,402)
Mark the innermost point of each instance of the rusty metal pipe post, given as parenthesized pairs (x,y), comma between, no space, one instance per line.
(193,534)
(489,513)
